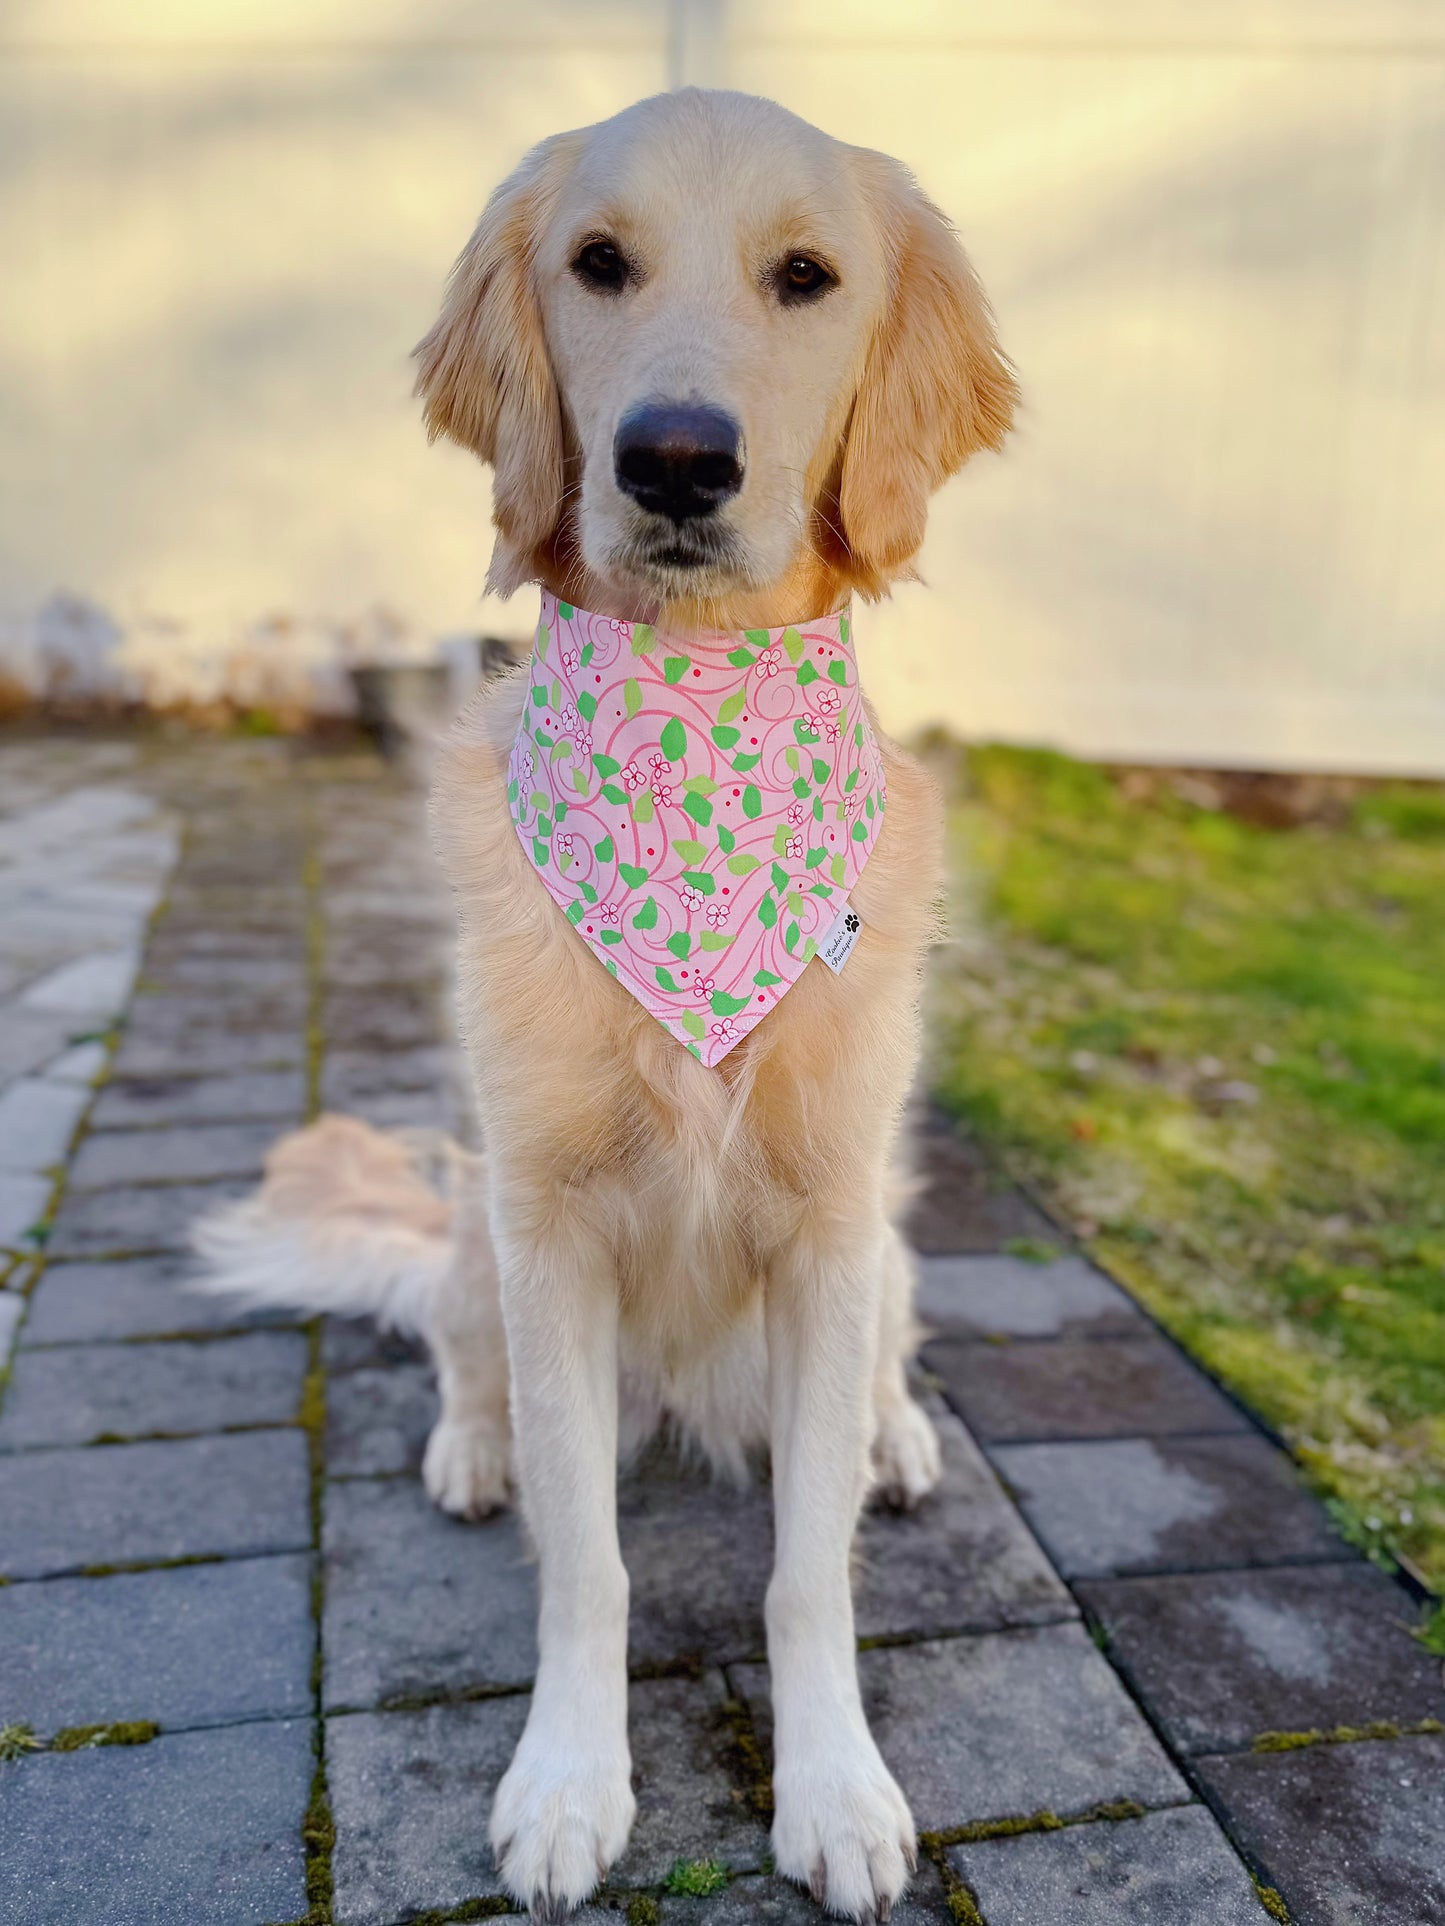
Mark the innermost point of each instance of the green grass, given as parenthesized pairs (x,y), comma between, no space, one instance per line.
(1219,1052)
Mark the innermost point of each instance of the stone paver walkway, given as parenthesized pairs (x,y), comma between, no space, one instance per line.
(271,1683)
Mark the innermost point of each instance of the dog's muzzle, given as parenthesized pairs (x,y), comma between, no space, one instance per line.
(680,460)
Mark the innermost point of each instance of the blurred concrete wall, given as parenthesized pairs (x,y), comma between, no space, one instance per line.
(1215,237)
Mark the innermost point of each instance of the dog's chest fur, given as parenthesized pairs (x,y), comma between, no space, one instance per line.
(691,1180)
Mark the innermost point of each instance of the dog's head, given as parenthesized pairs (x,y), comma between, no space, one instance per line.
(702,340)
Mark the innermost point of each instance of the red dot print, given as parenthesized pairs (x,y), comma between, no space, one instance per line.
(763,999)
(697,671)
(820,648)
(652,852)
(684,976)
(737,792)
(754,741)
(589,929)
(726,890)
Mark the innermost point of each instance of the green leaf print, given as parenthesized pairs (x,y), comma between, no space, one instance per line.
(642,806)
(767,912)
(587,649)
(605,765)
(807,672)
(815,856)
(752,803)
(674,668)
(726,738)
(817,809)
(860,832)
(611,936)
(852,782)
(733,705)
(700,880)
(714,940)
(556,694)
(795,901)
(741,658)
(631,696)
(868,805)
(780,838)
(700,786)
(726,841)
(690,852)
(539,694)
(857,735)
(605,850)
(780,875)
(561,748)
(512,791)
(698,807)
(539,852)
(820,889)
(839,870)
(611,793)
(566,611)
(673,740)
(743,865)
(821,771)
(575,912)
(692,1022)
(587,705)
(588,891)
(646,917)
(665,980)
(543,638)
(758,637)
(810,950)
(725,1005)
(765,979)
(680,943)
(793,643)
(801,789)
(838,670)
(632,875)
(642,639)
(538,800)
(790,937)
(744,763)
(544,826)
(790,757)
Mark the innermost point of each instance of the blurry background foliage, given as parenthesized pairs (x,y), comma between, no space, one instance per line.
(1213,236)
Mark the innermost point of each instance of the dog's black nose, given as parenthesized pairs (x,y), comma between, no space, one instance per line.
(678,459)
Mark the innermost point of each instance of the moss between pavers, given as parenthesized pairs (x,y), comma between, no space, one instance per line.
(748,1754)
(20,1741)
(1044,1820)
(16,1741)
(1346,1735)
(1272,1903)
(697,1878)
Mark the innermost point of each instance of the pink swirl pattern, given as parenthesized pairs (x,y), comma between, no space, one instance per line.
(699,807)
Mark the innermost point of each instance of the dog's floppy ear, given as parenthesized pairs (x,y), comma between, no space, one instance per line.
(936,387)
(484,371)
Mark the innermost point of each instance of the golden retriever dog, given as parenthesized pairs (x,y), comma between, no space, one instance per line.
(793,336)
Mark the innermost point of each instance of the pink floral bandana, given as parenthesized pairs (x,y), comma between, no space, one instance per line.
(699,807)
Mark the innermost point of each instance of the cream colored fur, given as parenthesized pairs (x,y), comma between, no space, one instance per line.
(662,1240)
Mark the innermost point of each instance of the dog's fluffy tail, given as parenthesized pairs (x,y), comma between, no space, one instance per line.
(348,1220)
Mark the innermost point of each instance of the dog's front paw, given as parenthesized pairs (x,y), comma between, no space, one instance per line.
(466,1468)
(906,1460)
(561,1816)
(843,1829)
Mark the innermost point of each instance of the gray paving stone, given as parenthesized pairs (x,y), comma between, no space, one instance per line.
(29,1039)
(1224,1656)
(965,1205)
(201,1826)
(963,1560)
(1349,1835)
(80,1393)
(999,1725)
(698,1554)
(37,1121)
(356,1344)
(349,1075)
(135,1297)
(751,1899)
(81,1063)
(1171,1868)
(94,986)
(1141,1504)
(402,1016)
(123,1223)
(146,1645)
(167,1016)
(1057,1388)
(378,1421)
(23,1204)
(412,1791)
(410,1795)
(1000,1296)
(185,970)
(210,1050)
(417,1603)
(64,1511)
(142,1102)
(180,1153)
(12,1310)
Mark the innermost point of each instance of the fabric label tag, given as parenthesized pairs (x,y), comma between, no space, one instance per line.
(837,946)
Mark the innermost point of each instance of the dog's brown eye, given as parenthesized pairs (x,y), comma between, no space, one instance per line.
(802,278)
(601,264)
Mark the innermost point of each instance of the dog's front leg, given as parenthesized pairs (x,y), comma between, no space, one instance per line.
(841,1826)
(564,1808)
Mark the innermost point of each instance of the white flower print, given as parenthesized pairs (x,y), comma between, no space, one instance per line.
(608,912)
(632,776)
(833,732)
(850,808)
(620,628)
(704,985)
(658,763)
(795,814)
(691,897)
(529,769)
(812,723)
(570,719)
(828,701)
(794,849)
(564,845)
(583,739)
(662,794)
(769,661)
(717,914)
(571,660)
(726,1031)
